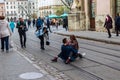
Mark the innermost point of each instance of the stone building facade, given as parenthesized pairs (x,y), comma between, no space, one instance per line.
(2,9)
(93,13)
(46,7)
(19,8)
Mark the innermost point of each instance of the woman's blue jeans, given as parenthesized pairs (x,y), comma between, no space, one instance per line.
(5,43)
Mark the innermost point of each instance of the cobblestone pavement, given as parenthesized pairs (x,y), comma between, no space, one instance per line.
(44,67)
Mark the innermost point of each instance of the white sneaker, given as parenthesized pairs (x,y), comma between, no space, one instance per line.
(83,54)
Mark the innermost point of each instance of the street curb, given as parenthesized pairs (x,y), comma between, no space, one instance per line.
(89,38)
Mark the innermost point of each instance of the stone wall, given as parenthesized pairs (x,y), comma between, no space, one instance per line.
(82,21)
(99,22)
(103,8)
(76,21)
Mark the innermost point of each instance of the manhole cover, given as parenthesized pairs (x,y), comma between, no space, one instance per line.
(31,75)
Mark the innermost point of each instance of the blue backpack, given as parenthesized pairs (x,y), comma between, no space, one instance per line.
(38,23)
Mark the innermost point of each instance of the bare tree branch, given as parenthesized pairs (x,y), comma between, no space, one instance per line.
(66,4)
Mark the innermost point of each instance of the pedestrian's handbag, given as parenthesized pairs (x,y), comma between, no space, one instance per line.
(47,43)
(25,28)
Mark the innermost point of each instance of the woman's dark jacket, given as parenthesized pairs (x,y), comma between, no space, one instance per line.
(108,23)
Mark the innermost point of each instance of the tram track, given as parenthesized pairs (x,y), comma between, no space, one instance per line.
(102,63)
(105,53)
(85,72)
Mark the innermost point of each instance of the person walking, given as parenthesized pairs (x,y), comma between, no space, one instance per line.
(5,32)
(34,22)
(41,33)
(21,25)
(48,24)
(56,24)
(39,23)
(12,25)
(65,23)
(108,25)
(117,24)
(29,23)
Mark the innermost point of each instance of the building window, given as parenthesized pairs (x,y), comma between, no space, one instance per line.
(93,7)
(11,12)
(29,3)
(26,7)
(118,6)
(7,7)
(1,7)
(7,12)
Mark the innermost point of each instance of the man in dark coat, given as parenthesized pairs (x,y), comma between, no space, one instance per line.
(22,32)
(65,23)
(117,24)
(48,24)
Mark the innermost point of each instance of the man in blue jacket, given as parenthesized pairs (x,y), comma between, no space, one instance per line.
(117,24)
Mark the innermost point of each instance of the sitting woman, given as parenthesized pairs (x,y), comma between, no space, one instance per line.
(74,47)
(69,50)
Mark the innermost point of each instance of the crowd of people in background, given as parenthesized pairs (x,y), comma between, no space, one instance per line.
(23,25)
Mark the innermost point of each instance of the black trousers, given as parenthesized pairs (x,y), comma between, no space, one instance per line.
(22,38)
(48,26)
(109,33)
(117,30)
(41,41)
(5,42)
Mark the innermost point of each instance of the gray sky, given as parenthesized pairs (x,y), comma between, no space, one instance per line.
(1,0)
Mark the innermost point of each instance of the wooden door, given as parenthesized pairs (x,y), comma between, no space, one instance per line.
(92,14)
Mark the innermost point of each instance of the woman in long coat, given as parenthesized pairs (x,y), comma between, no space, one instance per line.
(5,32)
(108,25)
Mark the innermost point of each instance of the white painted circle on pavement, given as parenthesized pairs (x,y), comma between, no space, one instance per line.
(31,75)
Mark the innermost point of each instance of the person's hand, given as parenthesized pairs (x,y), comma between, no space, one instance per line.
(10,33)
(21,26)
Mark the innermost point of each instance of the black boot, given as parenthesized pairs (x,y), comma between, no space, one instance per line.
(54,60)
(80,55)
